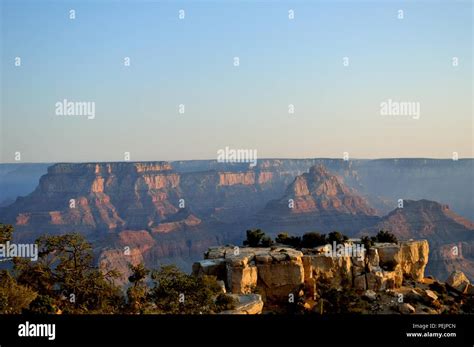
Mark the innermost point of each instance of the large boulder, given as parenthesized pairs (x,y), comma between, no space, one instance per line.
(280,274)
(241,274)
(458,281)
(275,272)
(411,256)
(334,271)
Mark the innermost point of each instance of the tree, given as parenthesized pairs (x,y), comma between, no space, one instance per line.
(367,242)
(14,297)
(6,232)
(385,236)
(257,238)
(175,292)
(313,239)
(137,293)
(266,241)
(65,272)
(285,239)
(337,237)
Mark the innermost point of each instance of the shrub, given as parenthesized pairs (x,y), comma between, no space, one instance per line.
(285,239)
(313,239)
(175,292)
(257,238)
(225,302)
(385,236)
(13,296)
(43,304)
(137,293)
(266,241)
(337,237)
(367,242)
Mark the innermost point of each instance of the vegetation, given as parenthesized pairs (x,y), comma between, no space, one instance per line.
(138,292)
(13,297)
(285,239)
(177,293)
(311,239)
(385,236)
(382,236)
(333,301)
(64,280)
(337,237)
(257,238)
(6,232)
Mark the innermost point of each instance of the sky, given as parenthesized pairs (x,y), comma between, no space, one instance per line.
(190,61)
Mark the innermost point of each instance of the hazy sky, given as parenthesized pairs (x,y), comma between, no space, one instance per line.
(190,61)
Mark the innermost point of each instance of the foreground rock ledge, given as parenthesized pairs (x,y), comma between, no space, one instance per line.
(278,272)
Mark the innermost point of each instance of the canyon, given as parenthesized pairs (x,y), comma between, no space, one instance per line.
(170,212)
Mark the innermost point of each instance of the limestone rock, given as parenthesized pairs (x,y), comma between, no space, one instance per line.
(241,279)
(209,267)
(412,256)
(360,282)
(278,280)
(458,281)
(221,285)
(373,257)
(406,308)
(370,295)
(336,271)
(413,296)
(430,296)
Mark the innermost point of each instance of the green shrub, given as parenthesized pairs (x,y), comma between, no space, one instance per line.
(385,236)
(257,238)
(313,239)
(367,242)
(285,239)
(14,297)
(266,241)
(175,292)
(337,237)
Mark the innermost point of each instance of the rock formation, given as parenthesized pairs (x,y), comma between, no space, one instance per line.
(322,201)
(277,272)
(387,278)
(188,206)
(451,236)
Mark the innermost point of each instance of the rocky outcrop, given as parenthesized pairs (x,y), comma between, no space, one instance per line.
(275,272)
(279,273)
(411,256)
(449,234)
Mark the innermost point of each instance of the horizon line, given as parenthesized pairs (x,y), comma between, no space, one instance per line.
(215,160)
